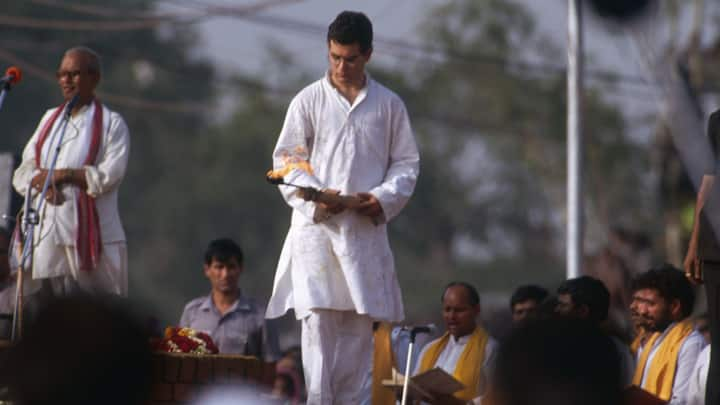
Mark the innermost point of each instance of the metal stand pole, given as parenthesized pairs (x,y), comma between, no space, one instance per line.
(574,140)
(407,370)
(31,218)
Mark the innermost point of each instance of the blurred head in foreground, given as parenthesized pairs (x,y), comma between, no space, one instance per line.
(557,362)
(80,350)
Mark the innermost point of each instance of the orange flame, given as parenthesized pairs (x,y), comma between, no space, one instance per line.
(291,162)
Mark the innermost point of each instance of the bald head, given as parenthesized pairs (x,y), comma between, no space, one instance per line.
(92,58)
(466,290)
(460,308)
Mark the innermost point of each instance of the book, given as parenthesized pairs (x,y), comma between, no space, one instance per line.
(433,386)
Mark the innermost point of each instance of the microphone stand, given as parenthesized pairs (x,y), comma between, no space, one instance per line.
(31,218)
(413,332)
(5,88)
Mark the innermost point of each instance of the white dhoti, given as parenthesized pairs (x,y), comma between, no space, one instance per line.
(336,351)
(109,277)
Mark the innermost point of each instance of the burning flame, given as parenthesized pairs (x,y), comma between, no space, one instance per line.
(291,162)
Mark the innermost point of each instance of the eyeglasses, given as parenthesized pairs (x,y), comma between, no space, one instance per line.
(70,74)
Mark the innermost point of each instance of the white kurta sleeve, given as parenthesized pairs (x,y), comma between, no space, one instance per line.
(403,168)
(109,171)
(687,357)
(295,142)
(27,169)
(698,379)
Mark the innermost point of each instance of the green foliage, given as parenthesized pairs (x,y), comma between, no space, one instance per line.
(489,205)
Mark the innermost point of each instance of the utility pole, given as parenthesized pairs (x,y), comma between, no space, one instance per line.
(574,140)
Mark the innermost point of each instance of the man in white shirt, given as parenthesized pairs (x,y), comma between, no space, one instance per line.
(665,362)
(79,244)
(336,269)
(465,351)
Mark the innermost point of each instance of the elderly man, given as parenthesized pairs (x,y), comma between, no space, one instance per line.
(665,362)
(79,243)
(465,351)
(336,268)
(235,322)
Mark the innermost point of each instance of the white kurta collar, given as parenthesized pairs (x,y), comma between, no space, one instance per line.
(362,95)
(461,341)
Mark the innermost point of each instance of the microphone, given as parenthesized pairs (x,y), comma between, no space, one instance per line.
(70,105)
(416,330)
(13,75)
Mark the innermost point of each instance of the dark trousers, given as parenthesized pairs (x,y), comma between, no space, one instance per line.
(711,274)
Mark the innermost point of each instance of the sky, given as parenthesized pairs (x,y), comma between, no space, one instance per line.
(238,45)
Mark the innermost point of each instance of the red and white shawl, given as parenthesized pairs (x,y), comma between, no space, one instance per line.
(88,243)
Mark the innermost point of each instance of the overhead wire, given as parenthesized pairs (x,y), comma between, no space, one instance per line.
(127,101)
(144,23)
(139,22)
(249,13)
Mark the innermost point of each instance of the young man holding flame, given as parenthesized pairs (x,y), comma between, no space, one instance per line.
(336,269)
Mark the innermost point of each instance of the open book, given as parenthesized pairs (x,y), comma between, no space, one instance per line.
(432,386)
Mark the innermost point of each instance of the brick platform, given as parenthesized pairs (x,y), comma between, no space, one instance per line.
(177,377)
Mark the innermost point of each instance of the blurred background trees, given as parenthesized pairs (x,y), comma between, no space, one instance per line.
(489,207)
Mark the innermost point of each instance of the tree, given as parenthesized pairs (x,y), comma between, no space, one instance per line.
(489,206)
(146,72)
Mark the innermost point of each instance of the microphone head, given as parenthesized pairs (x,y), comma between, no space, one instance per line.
(15,73)
(416,330)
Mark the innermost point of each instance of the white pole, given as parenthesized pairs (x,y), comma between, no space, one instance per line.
(407,373)
(574,140)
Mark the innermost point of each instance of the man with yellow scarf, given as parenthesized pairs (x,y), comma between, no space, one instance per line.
(665,298)
(466,350)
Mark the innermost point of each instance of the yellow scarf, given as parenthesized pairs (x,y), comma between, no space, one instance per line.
(383,362)
(469,366)
(638,341)
(661,372)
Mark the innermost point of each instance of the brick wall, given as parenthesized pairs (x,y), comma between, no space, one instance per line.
(177,377)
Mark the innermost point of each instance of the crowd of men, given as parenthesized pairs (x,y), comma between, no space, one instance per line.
(350,164)
(665,353)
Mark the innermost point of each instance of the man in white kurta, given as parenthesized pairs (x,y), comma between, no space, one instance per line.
(336,269)
(57,236)
(454,350)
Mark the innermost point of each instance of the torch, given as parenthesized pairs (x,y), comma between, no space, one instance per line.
(313,194)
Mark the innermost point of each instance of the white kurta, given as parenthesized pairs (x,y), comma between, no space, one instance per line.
(55,235)
(687,356)
(698,378)
(344,262)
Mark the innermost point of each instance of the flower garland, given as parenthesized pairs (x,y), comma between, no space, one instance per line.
(186,340)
